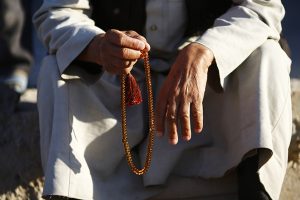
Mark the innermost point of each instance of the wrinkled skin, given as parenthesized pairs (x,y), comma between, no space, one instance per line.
(181,95)
(116,51)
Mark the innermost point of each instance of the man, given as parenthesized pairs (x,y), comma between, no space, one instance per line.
(243,113)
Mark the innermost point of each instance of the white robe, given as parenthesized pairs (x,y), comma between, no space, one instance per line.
(81,146)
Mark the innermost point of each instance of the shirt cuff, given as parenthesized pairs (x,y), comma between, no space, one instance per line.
(79,40)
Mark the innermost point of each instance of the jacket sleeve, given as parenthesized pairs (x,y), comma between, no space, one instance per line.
(242,29)
(65,29)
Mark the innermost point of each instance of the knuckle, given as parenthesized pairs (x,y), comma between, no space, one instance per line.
(197,99)
(110,34)
(125,52)
(129,54)
(184,116)
(114,36)
(196,114)
(128,64)
(196,108)
(142,38)
(171,117)
(131,33)
(119,40)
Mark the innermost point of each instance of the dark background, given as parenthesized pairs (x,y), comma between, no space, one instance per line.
(291,30)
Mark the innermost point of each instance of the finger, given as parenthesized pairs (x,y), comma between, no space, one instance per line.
(121,63)
(127,70)
(121,39)
(184,116)
(138,36)
(124,53)
(197,116)
(118,66)
(161,108)
(171,120)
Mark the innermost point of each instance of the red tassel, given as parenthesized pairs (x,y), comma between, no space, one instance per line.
(133,95)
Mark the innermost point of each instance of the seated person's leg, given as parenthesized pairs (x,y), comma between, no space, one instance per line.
(263,171)
(249,184)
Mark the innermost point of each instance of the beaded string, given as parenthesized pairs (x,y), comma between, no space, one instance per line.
(126,146)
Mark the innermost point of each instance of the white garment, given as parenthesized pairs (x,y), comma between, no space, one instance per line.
(165,24)
(81,147)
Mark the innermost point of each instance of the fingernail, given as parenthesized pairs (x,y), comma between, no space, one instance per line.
(148,46)
(173,141)
(186,138)
(198,130)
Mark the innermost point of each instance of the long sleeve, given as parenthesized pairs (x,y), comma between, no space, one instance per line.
(242,29)
(65,29)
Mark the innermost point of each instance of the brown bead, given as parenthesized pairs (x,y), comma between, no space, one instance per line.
(128,154)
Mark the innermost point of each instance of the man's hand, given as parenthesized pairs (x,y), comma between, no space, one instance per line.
(117,51)
(181,95)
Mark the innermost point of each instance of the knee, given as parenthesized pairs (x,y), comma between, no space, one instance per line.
(270,54)
(268,63)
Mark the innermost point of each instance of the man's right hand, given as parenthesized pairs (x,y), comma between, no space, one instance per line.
(116,51)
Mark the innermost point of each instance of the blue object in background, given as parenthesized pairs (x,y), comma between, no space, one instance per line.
(38,50)
(291,31)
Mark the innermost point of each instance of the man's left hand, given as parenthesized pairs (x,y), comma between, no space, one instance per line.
(182,93)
